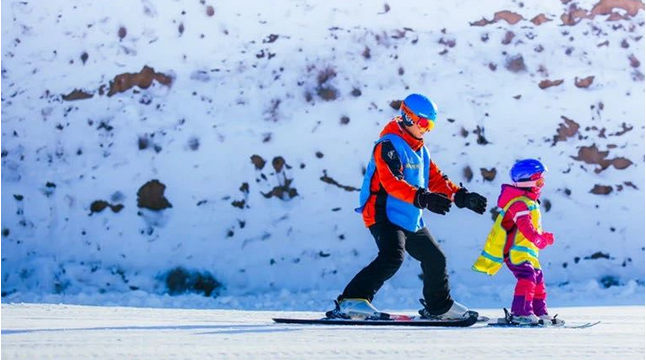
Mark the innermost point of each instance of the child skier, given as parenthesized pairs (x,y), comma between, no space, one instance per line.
(400,181)
(516,238)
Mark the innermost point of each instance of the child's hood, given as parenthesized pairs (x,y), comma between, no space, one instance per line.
(509,192)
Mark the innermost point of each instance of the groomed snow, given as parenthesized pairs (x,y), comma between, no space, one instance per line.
(82,332)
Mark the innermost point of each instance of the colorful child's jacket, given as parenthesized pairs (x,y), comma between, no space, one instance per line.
(515,233)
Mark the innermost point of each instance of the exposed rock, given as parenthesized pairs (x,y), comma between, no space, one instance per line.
(194,143)
(488,175)
(592,155)
(98,206)
(606,7)
(566,130)
(326,91)
(122,33)
(270,39)
(180,281)
(515,64)
(549,83)
(283,192)
(326,179)
(634,62)
(258,162)
(546,204)
(583,83)
(467,173)
(278,162)
(574,14)
(396,104)
(509,35)
(142,79)
(210,11)
(366,53)
(77,95)
(508,16)
(540,19)
(151,196)
(624,129)
(479,131)
(601,189)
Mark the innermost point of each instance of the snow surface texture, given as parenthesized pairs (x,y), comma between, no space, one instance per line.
(78,332)
(249,143)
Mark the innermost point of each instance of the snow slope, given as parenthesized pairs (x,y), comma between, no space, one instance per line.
(79,332)
(239,162)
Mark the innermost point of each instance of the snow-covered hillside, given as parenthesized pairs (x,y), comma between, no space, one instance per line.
(154,146)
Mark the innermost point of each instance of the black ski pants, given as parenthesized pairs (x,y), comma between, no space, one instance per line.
(393,242)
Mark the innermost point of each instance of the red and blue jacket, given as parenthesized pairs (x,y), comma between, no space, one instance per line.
(400,165)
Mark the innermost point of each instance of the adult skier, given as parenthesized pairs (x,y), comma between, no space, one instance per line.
(401,180)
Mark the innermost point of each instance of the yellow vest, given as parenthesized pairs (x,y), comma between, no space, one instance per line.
(491,258)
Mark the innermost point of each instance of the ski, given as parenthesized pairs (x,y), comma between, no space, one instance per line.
(385,319)
(508,321)
(502,323)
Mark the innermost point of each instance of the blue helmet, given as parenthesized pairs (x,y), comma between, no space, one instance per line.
(420,107)
(524,170)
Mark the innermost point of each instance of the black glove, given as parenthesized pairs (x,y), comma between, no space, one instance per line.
(472,201)
(435,202)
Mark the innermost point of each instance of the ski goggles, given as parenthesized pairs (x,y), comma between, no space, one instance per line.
(424,123)
(536,180)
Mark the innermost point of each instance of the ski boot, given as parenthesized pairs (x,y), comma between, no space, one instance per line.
(530,319)
(356,309)
(457,311)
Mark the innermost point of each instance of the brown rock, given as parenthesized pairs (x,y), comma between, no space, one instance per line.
(77,95)
(583,83)
(573,15)
(620,163)
(468,173)
(328,180)
(210,11)
(549,83)
(98,206)
(540,19)
(396,104)
(151,196)
(278,162)
(592,155)
(605,7)
(488,175)
(258,161)
(508,16)
(634,62)
(283,192)
(515,64)
(565,130)
(601,189)
(508,37)
(142,79)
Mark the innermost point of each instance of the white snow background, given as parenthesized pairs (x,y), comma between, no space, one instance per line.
(310,84)
(285,98)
